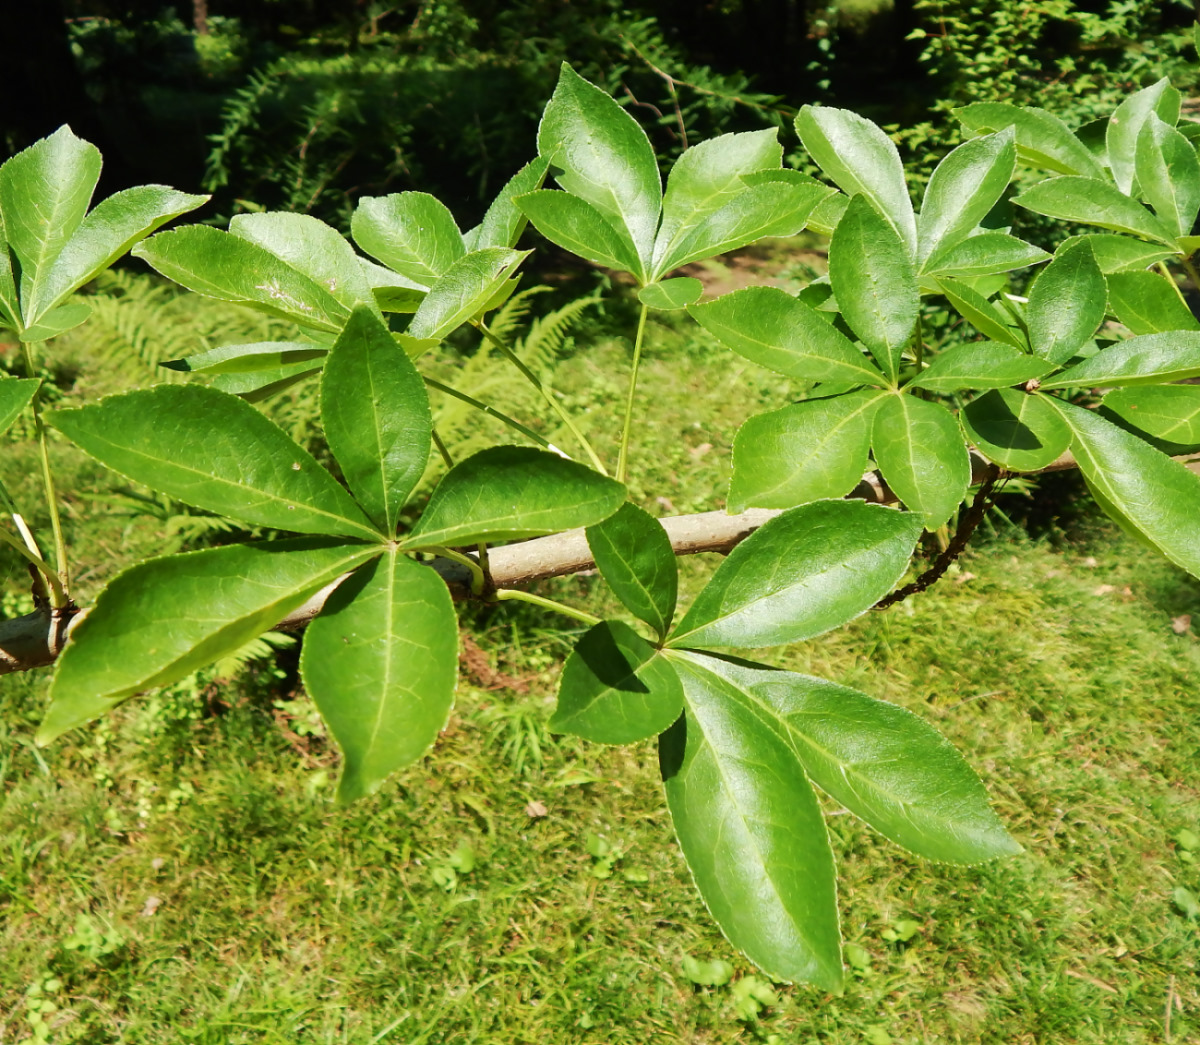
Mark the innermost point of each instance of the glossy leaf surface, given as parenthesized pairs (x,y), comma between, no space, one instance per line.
(163,619)
(577,226)
(874,281)
(1158,496)
(1043,140)
(505,220)
(804,452)
(962,190)
(979,312)
(771,328)
(213,451)
(507,493)
(376,417)
(1167,412)
(1168,174)
(1149,359)
(1066,304)
(751,830)
(883,763)
(230,268)
(616,688)
(920,452)
(1115,253)
(598,152)
(802,573)
(671,294)
(983,255)
(381,663)
(1094,202)
(1125,128)
(411,232)
(860,159)
(980,364)
(466,289)
(1020,432)
(57,321)
(1147,303)
(635,558)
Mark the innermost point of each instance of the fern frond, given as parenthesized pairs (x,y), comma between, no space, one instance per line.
(547,334)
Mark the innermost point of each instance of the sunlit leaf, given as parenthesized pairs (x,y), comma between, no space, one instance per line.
(634,556)
(1147,303)
(1125,127)
(1150,359)
(1066,304)
(921,455)
(980,364)
(577,226)
(1043,140)
(411,232)
(466,289)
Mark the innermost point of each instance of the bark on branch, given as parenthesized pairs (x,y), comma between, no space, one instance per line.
(36,639)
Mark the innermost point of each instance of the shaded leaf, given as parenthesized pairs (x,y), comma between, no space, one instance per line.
(1168,174)
(506,493)
(635,558)
(1125,127)
(802,573)
(979,312)
(214,451)
(1167,412)
(1115,253)
(57,321)
(15,395)
(161,620)
(381,661)
(246,359)
(671,294)
(616,688)
(1019,432)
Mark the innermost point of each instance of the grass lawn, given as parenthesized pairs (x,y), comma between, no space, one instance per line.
(176,873)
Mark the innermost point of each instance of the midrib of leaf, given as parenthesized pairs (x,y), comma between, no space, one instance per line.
(685,228)
(263,495)
(872,376)
(46,218)
(390,621)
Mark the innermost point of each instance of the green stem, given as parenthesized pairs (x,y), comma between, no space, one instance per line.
(59,591)
(478,579)
(529,433)
(555,405)
(59,596)
(512,595)
(1166,274)
(447,460)
(623,456)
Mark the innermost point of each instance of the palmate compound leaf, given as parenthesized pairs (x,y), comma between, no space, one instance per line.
(511,492)
(634,556)
(616,688)
(751,829)
(1158,497)
(803,573)
(212,450)
(376,417)
(163,619)
(803,452)
(381,661)
(921,455)
(883,763)
(576,225)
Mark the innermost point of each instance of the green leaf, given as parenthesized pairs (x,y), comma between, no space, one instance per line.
(507,493)
(859,158)
(616,688)
(979,312)
(1066,304)
(980,364)
(1119,253)
(1094,202)
(45,191)
(214,451)
(1168,174)
(1152,359)
(1158,496)
(411,232)
(635,558)
(381,662)
(775,203)
(376,417)
(15,395)
(874,282)
(771,328)
(802,573)
(599,153)
(705,178)
(920,452)
(804,452)
(10,305)
(220,265)
(247,359)
(751,830)
(1043,140)
(1125,127)
(392,291)
(105,235)
(881,762)
(310,247)
(1020,432)
(259,385)
(984,255)
(577,226)
(826,215)
(464,291)
(1147,303)
(962,190)
(504,221)
(57,321)
(671,294)
(1167,412)
(161,620)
